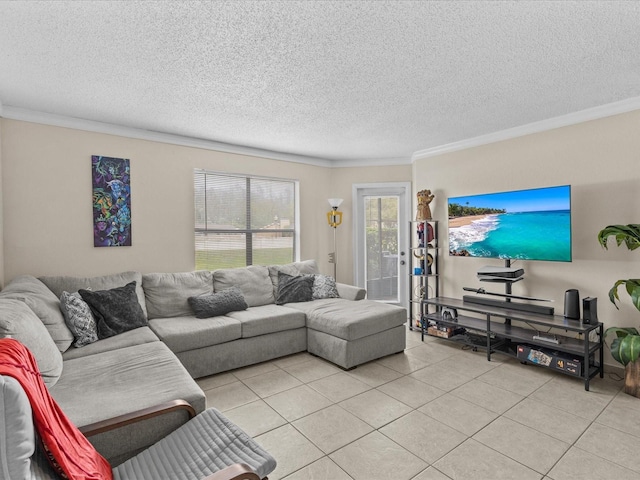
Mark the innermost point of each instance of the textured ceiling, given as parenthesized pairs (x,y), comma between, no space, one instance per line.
(360,80)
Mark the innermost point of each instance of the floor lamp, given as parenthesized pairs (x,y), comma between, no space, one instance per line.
(334,217)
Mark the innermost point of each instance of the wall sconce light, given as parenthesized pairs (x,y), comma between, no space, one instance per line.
(334,218)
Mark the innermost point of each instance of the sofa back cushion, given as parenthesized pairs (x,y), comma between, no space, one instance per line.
(253,281)
(18,321)
(17,432)
(167,294)
(306,267)
(105,282)
(44,303)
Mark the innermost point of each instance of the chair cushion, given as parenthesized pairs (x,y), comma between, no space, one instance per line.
(17,432)
(204,445)
(254,282)
(18,321)
(44,303)
(167,293)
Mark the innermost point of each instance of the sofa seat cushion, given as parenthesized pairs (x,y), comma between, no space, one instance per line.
(44,303)
(189,333)
(137,336)
(350,320)
(59,284)
(253,281)
(121,381)
(167,293)
(268,319)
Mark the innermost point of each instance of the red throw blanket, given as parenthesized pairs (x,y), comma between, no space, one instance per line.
(69,451)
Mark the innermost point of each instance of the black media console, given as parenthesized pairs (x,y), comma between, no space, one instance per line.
(531,337)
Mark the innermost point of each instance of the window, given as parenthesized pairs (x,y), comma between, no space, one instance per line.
(244,220)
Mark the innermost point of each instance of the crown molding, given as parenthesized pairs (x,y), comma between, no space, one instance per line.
(372,162)
(574,118)
(23,114)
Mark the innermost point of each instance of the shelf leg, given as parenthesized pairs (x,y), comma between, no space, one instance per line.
(488,337)
(601,341)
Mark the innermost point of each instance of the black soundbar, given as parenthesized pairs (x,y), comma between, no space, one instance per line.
(523,307)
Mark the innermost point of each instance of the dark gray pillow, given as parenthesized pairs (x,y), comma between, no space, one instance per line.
(324,287)
(116,310)
(294,289)
(219,303)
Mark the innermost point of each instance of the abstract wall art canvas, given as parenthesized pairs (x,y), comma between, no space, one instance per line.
(111,201)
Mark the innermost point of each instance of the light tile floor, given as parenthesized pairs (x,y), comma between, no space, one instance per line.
(434,412)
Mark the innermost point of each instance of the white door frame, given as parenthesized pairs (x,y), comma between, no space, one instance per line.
(402,189)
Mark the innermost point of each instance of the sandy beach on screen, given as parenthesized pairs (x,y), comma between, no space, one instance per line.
(463,221)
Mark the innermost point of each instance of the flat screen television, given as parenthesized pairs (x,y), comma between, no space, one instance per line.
(530,224)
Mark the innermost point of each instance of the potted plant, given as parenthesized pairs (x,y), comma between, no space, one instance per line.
(625,348)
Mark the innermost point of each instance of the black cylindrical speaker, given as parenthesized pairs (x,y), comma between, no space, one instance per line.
(572,304)
(590,310)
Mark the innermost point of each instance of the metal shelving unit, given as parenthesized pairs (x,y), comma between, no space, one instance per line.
(504,329)
(424,252)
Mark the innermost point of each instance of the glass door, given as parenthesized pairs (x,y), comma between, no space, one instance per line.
(380,242)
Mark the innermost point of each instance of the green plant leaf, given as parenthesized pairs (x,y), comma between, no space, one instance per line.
(621,331)
(627,234)
(626,349)
(633,289)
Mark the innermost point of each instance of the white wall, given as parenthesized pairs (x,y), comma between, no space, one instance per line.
(601,161)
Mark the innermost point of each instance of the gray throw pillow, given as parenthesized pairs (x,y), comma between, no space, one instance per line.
(116,311)
(79,319)
(324,287)
(219,303)
(294,289)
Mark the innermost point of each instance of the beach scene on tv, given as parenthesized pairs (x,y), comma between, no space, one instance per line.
(525,224)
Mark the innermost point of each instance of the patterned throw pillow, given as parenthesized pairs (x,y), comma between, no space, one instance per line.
(79,319)
(324,287)
(214,304)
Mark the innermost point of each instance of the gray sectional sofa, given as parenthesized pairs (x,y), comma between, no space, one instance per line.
(158,362)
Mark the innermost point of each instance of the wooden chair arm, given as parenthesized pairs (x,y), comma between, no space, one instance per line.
(137,416)
(238,471)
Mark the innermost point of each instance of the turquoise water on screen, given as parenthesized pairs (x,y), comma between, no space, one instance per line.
(527,236)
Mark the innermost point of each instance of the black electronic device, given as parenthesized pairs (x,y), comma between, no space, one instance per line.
(523,307)
(590,310)
(572,304)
